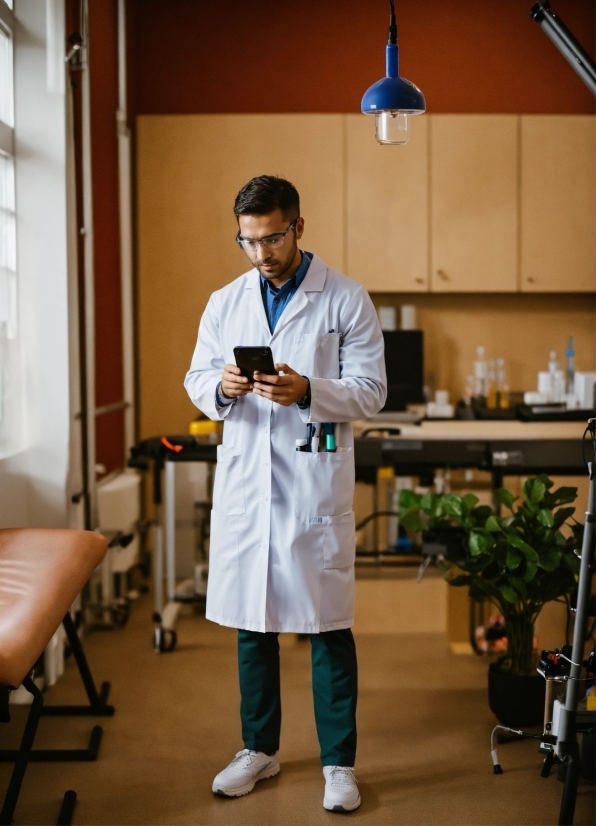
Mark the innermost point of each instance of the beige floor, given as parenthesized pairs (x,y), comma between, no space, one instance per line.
(424,729)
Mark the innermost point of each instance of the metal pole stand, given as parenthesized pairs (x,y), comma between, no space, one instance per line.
(568,746)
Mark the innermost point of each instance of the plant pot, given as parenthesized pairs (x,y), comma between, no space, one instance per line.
(516,700)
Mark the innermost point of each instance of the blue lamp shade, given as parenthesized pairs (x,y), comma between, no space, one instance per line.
(392,99)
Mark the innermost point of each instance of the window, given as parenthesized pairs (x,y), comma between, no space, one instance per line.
(6,83)
(9,391)
(7,188)
(8,286)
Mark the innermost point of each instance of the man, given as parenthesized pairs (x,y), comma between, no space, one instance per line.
(282,525)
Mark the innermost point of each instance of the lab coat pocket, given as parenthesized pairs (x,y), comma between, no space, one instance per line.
(323,485)
(317,355)
(228,488)
(339,541)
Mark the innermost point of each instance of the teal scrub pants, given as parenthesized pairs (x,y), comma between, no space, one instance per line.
(335,691)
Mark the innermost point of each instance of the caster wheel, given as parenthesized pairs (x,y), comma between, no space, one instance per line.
(164,640)
(120,615)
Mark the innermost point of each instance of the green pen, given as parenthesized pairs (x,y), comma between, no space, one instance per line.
(329,430)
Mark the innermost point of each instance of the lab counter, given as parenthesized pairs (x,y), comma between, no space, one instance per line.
(500,447)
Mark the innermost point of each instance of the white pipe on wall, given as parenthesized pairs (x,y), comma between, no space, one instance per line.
(89,274)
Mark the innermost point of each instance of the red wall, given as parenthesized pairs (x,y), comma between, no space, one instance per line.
(192,56)
(103,75)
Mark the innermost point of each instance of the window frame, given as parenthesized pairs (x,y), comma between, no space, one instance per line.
(7,151)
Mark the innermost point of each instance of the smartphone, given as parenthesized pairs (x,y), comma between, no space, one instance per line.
(251,359)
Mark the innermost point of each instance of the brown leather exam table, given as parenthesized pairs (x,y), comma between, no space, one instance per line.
(41,573)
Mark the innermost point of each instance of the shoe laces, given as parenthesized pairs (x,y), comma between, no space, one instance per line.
(342,776)
(244,759)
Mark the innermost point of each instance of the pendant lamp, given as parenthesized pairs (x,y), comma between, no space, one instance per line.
(393,98)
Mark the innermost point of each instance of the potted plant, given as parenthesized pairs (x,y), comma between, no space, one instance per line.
(519,562)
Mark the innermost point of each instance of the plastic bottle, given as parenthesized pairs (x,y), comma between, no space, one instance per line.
(570,371)
(553,364)
(557,378)
(491,385)
(480,375)
(502,388)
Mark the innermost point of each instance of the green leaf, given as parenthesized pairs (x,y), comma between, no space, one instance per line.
(520,586)
(517,542)
(562,515)
(452,505)
(546,518)
(427,503)
(530,572)
(481,589)
(463,579)
(477,543)
(553,585)
(408,499)
(480,514)
(504,497)
(514,557)
(411,522)
(534,490)
(508,593)
(548,558)
(493,524)
(470,501)
(564,495)
(571,562)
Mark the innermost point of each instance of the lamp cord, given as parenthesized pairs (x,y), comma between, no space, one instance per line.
(392,24)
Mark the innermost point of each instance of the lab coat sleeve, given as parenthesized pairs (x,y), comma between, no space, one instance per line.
(207,365)
(361,390)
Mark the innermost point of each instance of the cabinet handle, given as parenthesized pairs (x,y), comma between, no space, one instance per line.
(419,280)
(531,280)
(442,274)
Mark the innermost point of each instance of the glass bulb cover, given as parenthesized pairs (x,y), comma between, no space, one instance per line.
(392,127)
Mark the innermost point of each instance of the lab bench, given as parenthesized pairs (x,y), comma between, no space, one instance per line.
(502,448)
(498,448)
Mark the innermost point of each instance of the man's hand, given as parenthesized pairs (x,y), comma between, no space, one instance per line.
(233,383)
(286,389)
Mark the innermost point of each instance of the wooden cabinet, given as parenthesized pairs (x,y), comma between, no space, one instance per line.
(190,168)
(386,232)
(474,222)
(558,215)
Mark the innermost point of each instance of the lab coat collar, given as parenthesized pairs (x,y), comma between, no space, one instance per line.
(313,282)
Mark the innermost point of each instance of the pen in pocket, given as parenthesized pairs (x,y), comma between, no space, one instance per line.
(329,431)
(314,442)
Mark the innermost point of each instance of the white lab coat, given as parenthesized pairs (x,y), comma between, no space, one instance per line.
(282,527)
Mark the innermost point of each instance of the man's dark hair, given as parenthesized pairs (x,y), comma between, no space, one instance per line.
(266,193)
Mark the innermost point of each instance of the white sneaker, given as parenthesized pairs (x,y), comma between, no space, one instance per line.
(246,769)
(341,789)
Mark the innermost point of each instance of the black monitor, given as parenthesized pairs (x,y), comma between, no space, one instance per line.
(404,361)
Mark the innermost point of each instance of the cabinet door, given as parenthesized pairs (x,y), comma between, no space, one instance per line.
(558,203)
(474,162)
(387,208)
(189,170)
